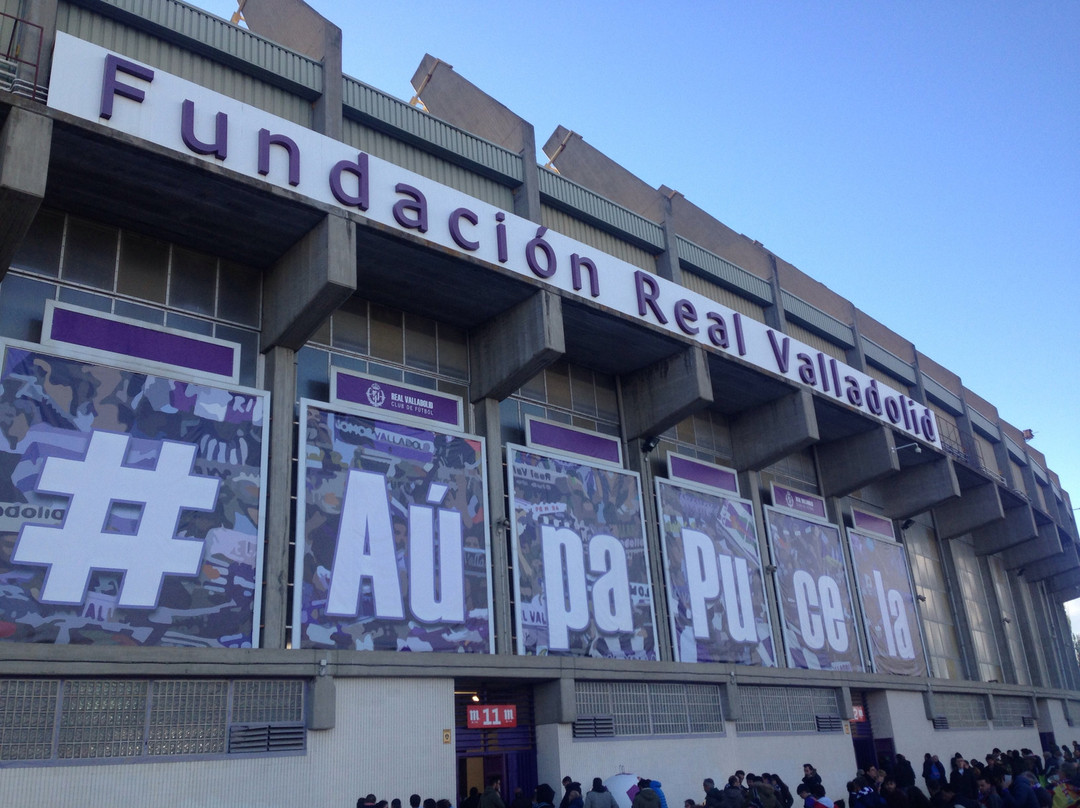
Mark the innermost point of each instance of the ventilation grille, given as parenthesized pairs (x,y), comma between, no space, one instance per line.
(266,738)
(1029,721)
(828,723)
(594,726)
(941,722)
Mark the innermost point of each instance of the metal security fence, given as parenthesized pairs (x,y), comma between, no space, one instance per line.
(607,709)
(788,709)
(45,721)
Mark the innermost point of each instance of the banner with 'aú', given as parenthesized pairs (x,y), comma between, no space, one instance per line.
(392,547)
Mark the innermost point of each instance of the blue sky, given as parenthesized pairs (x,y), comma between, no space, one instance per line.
(922,159)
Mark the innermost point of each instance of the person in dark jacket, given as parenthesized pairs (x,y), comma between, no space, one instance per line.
(599,796)
(732,796)
(646,796)
(713,797)
(962,779)
(904,774)
(545,796)
(491,798)
(810,775)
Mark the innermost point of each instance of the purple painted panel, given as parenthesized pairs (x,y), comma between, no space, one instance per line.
(401,400)
(872,523)
(142,342)
(800,501)
(568,439)
(684,468)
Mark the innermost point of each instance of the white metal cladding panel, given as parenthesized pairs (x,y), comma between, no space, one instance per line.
(811,316)
(566,224)
(407,156)
(703,286)
(888,361)
(143,47)
(388,740)
(815,341)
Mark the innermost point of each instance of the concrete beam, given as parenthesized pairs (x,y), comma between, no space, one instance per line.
(1064,582)
(322,702)
(774,430)
(919,488)
(512,348)
(660,396)
(853,462)
(308,283)
(1017,527)
(1053,565)
(555,702)
(976,507)
(1047,543)
(25,143)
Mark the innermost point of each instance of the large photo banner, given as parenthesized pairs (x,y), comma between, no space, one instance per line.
(392,536)
(130,506)
(716,594)
(581,567)
(812,588)
(884,586)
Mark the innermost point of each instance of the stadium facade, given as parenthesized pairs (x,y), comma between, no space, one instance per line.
(413,461)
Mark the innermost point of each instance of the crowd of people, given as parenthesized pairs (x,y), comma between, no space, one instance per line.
(1012,779)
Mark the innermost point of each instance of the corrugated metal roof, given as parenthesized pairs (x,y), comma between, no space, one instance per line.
(725,273)
(386,113)
(575,198)
(942,395)
(217,38)
(887,361)
(816,320)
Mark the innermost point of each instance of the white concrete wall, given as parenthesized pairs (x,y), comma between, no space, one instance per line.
(914,735)
(682,762)
(388,740)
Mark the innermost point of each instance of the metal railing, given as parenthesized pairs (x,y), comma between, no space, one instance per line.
(20,57)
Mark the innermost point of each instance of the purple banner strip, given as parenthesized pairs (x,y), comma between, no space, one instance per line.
(799,501)
(870,523)
(684,468)
(568,439)
(382,395)
(142,342)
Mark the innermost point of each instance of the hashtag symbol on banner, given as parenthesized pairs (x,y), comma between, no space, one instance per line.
(82,543)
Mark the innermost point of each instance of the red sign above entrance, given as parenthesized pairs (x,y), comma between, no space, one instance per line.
(492,716)
(858,712)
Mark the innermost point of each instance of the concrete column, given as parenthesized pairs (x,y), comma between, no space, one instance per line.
(976,507)
(1017,527)
(527,195)
(767,433)
(1008,664)
(850,463)
(667,262)
(660,396)
(281,382)
(43,13)
(637,460)
(489,425)
(308,283)
(919,488)
(25,143)
(513,347)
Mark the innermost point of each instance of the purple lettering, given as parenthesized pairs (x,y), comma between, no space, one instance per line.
(646,300)
(873,398)
(576,264)
(717,332)
(685,316)
(854,394)
(500,237)
(111,87)
(892,409)
(781,354)
(359,169)
(806,369)
(455,228)
(740,340)
(219,148)
(538,243)
(266,140)
(411,213)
